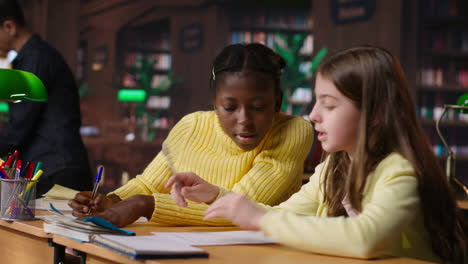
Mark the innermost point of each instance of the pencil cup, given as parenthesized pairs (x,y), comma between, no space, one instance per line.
(11,173)
(17,199)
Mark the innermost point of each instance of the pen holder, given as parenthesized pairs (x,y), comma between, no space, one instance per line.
(17,199)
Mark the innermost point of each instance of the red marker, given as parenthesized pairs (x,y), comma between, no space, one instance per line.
(9,160)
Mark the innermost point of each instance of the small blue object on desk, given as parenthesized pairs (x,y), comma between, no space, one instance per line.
(98,222)
(106,224)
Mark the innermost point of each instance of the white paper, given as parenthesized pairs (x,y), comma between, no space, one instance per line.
(42,204)
(53,217)
(152,244)
(217,238)
(142,219)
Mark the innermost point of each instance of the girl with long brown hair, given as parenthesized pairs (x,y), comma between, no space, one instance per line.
(379,190)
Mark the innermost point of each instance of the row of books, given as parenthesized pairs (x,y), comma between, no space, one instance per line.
(159,102)
(444,8)
(158,81)
(272,18)
(455,39)
(268,39)
(161,61)
(438,77)
(434,113)
(460,150)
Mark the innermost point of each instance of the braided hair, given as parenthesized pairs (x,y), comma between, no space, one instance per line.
(253,58)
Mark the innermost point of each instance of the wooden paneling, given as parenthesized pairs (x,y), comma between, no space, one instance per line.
(382,29)
(195,66)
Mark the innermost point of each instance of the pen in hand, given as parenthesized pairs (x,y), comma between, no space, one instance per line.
(96,185)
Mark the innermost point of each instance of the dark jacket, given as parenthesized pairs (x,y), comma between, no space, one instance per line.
(47,132)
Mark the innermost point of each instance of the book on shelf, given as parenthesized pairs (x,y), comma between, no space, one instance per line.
(148,247)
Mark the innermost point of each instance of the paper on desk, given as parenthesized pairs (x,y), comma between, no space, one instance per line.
(217,238)
(42,204)
(54,217)
(43,217)
(61,192)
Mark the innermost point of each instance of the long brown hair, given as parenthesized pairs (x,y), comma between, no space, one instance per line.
(373,79)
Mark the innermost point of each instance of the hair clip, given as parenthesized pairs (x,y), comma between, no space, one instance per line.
(213,74)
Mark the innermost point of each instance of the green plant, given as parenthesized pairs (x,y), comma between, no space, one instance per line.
(294,75)
(144,74)
(84,90)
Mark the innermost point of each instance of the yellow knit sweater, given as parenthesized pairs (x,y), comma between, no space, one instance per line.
(268,174)
(390,223)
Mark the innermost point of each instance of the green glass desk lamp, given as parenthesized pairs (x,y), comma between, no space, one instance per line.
(16,85)
(462,108)
(131,96)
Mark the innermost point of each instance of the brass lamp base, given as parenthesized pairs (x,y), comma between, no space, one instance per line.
(460,190)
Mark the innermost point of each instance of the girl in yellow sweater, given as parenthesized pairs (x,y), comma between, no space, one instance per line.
(245,145)
(379,191)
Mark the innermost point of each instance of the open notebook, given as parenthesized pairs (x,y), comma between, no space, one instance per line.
(81,230)
(148,247)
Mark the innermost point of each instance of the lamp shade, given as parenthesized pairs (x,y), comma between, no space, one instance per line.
(131,95)
(4,108)
(16,85)
(463,101)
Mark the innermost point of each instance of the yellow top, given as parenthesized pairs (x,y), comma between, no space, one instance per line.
(391,221)
(269,174)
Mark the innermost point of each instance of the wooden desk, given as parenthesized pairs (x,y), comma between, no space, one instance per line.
(26,242)
(261,254)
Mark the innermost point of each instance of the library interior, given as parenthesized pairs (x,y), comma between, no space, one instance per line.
(141,67)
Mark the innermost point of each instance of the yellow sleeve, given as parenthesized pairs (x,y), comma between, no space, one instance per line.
(393,204)
(274,173)
(277,170)
(306,201)
(156,174)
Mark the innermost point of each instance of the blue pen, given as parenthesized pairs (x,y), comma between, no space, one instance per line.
(96,182)
(96,185)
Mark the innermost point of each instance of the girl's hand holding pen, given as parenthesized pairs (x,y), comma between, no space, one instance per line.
(238,209)
(188,185)
(129,210)
(82,204)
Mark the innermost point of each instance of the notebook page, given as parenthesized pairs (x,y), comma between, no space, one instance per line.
(151,244)
(217,238)
(61,192)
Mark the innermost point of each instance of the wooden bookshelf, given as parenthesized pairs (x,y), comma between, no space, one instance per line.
(270,26)
(443,75)
(147,43)
(445,87)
